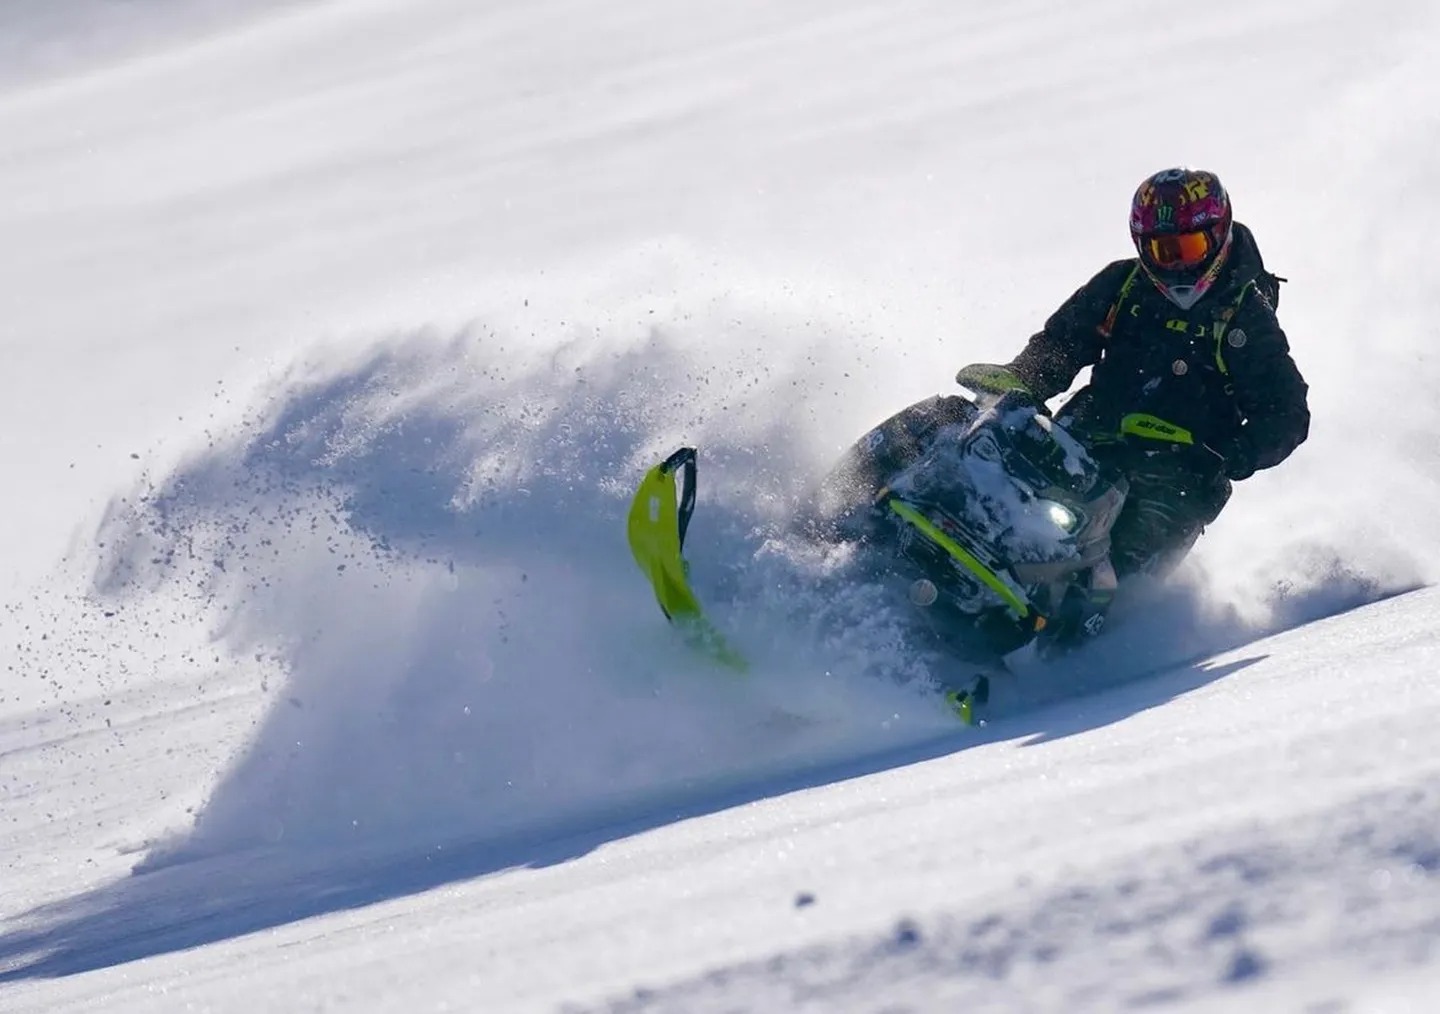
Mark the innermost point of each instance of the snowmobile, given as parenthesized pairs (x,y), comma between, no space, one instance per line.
(990,516)
(989,520)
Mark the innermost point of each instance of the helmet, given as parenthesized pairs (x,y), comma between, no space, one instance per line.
(1180,220)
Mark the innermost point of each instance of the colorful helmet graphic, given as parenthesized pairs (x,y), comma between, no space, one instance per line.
(1180,221)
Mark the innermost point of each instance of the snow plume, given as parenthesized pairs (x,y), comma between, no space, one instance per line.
(421,539)
(1358,502)
(425,542)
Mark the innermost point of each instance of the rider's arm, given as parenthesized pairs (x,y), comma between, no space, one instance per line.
(1269,389)
(1071,339)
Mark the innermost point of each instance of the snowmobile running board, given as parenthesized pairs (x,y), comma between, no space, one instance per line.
(656,528)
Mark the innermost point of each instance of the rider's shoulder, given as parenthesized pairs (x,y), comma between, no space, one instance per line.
(1106,283)
(1116,273)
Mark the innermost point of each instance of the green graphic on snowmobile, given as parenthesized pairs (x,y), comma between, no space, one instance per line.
(962,556)
(656,530)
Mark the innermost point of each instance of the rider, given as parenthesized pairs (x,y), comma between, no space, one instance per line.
(1192,384)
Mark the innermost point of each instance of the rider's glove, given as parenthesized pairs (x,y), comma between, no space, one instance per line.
(1238,457)
(1001,384)
(991,379)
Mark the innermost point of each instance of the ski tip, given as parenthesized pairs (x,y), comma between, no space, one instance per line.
(962,704)
(965,702)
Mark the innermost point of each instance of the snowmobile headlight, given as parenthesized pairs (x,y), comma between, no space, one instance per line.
(1063,517)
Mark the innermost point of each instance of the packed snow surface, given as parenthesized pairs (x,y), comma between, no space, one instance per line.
(336,336)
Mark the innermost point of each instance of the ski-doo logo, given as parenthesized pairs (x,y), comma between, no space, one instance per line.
(1139,424)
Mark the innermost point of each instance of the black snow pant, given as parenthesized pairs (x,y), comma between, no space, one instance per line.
(1164,513)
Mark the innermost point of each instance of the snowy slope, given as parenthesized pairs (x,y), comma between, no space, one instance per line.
(48,39)
(337,334)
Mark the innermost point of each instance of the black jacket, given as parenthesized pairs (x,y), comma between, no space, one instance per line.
(1219,374)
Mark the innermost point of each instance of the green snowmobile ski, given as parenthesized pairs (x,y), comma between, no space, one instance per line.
(658,521)
(656,530)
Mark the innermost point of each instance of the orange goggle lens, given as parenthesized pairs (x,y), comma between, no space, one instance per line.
(1178,249)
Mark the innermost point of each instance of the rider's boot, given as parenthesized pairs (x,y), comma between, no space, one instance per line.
(1081,614)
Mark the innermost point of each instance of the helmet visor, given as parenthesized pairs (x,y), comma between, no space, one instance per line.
(1177,250)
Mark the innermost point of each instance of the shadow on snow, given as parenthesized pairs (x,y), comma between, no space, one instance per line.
(193,904)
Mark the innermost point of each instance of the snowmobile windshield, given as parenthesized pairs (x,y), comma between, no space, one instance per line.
(1043,456)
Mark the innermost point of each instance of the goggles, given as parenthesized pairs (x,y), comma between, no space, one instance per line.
(1177,249)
